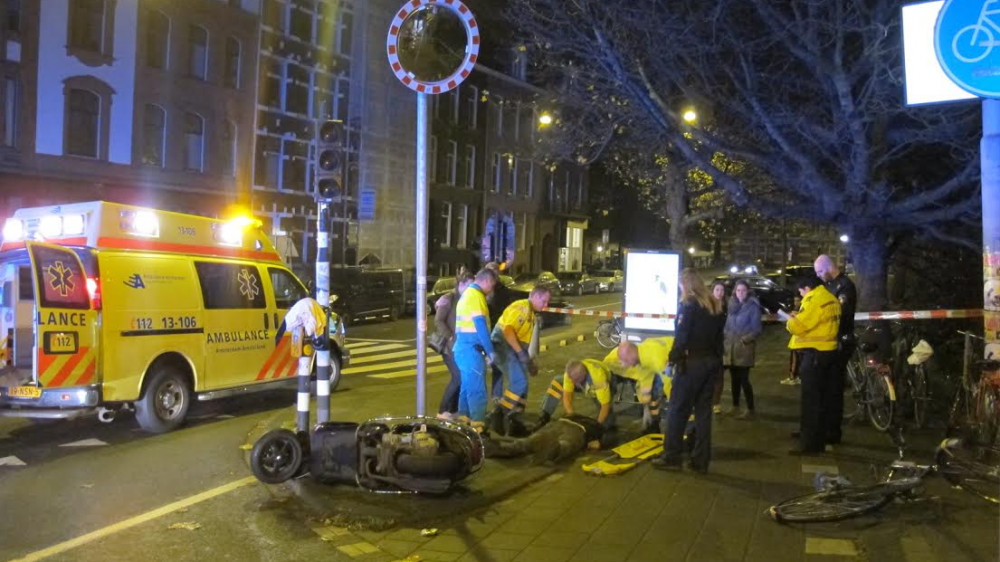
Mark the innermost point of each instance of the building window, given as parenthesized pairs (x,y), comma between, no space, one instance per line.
(456,103)
(579,191)
(471,105)
(301,26)
(461,220)
(497,171)
(10,99)
(521,232)
(512,165)
(341,101)
(451,163)
(432,172)
(446,222)
(345,33)
(470,166)
(267,166)
(194,142)
(517,109)
(153,135)
(157,39)
(198,52)
(497,109)
(231,72)
(529,188)
(229,148)
(519,63)
(84,123)
(13,17)
(87,25)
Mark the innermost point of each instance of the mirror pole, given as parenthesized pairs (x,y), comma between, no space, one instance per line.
(421,251)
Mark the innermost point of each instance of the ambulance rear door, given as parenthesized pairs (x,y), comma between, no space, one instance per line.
(65,322)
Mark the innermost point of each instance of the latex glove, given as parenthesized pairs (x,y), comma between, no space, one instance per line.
(492,359)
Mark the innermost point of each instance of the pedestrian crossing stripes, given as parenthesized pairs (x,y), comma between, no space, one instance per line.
(389,360)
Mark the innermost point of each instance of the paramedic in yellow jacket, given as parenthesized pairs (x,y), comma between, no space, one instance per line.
(646,364)
(511,338)
(473,348)
(814,336)
(589,376)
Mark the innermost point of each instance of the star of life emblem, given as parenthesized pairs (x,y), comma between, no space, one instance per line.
(248,285)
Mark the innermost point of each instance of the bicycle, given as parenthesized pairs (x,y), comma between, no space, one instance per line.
(871,382)
(975,410)
(910,354)
(962,465)
(609,332)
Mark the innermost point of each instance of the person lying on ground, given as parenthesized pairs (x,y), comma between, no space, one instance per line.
(558,441)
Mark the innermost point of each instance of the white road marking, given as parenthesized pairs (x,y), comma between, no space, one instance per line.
(85,443)
(816,468)
(352,345)
(133,521)
(831,547)
(381,357)
(12,461)
(411,373)
(376,349)
(392,365)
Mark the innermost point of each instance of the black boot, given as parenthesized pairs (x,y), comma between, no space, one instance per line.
(495,422)
(515,425)
(543,419)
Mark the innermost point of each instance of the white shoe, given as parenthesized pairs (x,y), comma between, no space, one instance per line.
(717,409)
(447,416)
(789,380)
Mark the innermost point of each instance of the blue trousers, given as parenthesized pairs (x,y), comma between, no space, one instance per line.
(449,400)
(510,385)
(472,398)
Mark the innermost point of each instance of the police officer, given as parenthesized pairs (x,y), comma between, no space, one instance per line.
(843,288)
(814,336)
(589,376)
(473,348)
(511,337)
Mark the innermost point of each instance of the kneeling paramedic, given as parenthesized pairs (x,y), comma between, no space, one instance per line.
(589,376)
(473,348)
(646,364)
(511,337)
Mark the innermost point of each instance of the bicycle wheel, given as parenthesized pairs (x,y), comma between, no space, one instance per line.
(879,402)
(985,416)
(920,395)
(839,503)
(975,469)
(855,408)
(607,336)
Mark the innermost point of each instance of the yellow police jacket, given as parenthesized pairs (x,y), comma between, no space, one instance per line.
(816,324)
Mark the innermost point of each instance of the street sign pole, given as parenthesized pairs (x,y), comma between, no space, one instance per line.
(425,56)
(421,224)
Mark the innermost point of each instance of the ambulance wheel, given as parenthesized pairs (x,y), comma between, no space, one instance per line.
(334,371)
(165,403)
(276,457)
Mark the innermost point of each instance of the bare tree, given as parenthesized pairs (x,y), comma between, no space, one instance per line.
(806,92)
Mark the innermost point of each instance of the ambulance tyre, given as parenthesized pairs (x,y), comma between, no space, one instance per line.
(334,371)
(165,402)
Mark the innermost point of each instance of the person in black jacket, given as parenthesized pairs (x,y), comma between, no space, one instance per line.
(837,282)
(696,358)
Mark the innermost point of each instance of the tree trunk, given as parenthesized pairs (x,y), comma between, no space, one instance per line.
(869,252)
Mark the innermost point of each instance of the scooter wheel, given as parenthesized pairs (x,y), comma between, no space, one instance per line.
(276,456)
(444,465)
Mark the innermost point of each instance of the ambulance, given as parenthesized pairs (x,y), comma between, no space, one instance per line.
(108,307)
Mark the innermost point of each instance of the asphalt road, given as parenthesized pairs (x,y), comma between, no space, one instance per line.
(61,480)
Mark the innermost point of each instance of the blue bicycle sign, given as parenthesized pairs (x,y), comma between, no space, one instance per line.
(965,38)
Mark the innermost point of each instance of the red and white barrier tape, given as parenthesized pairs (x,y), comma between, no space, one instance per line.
(860,316)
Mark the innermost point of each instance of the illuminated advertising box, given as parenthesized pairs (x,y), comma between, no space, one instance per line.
(651,287)
(926,81)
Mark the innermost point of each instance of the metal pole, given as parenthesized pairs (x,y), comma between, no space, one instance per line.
(989,149)
(323,297)
(421,227)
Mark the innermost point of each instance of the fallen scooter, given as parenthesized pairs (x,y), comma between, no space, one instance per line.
(392,454)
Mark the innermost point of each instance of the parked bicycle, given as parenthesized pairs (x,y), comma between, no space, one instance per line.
(609,332)
(975,410)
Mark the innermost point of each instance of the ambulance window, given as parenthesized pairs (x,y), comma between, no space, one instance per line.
(287,289)
(25,287)
(230,285)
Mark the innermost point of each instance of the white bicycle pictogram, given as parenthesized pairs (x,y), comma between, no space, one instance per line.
(978,39)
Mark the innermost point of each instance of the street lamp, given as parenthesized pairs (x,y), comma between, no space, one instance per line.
(691,250)
(690,116)
(844,238)
(544,120)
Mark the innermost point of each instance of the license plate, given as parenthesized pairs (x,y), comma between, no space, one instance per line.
(25,392)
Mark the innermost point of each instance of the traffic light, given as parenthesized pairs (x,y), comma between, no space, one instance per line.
(330,160)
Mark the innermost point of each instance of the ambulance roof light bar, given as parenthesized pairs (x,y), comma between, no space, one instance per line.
(47,227)
(140,222)
(13,230)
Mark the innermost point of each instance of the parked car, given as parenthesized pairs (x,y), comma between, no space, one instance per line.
(609,280)
(789,276)
(770,294)
(525,282)
(368,294)
(576,283)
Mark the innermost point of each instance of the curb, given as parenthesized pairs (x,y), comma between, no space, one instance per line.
(562,342)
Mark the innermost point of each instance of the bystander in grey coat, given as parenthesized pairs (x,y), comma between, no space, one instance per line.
(743,326)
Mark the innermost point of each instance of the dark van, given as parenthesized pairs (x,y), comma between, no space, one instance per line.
(368,293)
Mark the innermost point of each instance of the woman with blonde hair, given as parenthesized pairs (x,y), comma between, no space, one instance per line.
(696,358)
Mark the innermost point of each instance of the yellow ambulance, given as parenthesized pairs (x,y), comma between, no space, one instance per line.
(108,307)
